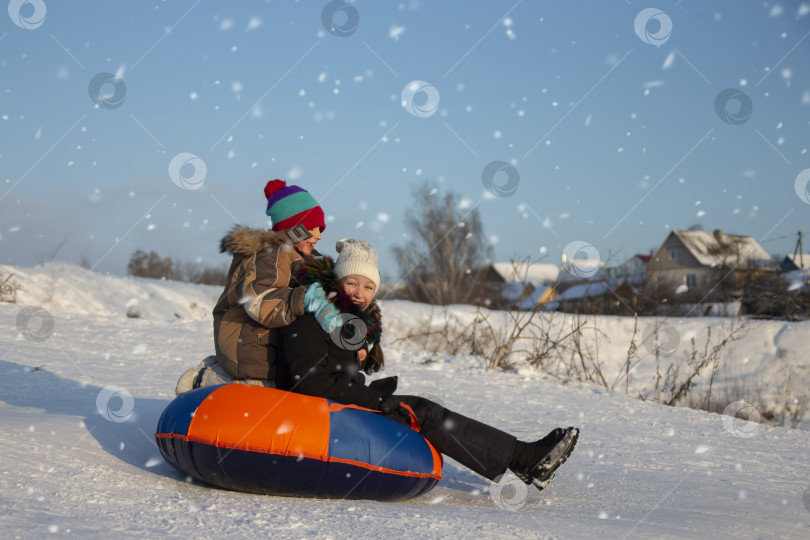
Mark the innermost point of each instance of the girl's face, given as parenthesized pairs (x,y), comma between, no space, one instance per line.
(359,288)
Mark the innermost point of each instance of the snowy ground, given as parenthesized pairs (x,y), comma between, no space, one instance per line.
(71,467)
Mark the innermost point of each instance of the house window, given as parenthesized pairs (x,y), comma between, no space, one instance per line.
(691,280)
(675,253)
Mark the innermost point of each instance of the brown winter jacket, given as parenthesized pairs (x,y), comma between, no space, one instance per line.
(259,297)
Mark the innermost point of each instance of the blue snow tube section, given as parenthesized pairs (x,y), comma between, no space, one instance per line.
(263,440)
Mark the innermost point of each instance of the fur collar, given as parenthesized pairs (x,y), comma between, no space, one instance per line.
(246,241)
(322,270)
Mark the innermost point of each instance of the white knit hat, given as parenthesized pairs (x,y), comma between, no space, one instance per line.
(357,258)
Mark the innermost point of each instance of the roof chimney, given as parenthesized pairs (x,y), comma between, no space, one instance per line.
(718,234)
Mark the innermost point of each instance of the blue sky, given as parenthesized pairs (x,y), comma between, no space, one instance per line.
(615,129)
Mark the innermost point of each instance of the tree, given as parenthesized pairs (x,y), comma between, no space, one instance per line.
(196,272)
(441,262)
(150,265)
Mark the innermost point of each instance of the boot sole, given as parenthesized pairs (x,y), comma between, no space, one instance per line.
(544,472)
(556,459)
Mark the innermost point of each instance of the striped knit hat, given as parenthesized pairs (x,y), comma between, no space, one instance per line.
(288,206)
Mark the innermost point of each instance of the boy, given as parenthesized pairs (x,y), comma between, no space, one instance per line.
(260,293)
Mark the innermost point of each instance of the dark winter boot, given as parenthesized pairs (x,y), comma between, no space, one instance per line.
(535,463)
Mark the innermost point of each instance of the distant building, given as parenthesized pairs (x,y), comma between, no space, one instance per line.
(634,270)
(799,261)
(590,287)
(575,271)
(701,260)
(521,284)
(508,272)
(616,297)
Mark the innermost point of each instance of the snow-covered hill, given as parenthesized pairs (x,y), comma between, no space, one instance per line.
(640,469)
(63,287)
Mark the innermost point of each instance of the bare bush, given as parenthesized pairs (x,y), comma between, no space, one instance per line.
(50,253)
(773,296)
(196,272)
(788,410)
(8,288)
(680,377)
(151,265)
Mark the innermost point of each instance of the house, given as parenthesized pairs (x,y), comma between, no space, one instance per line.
(703,260)
(522,284)
(634,270)
(518,271)
(574,271)
(615,297)
(798,261)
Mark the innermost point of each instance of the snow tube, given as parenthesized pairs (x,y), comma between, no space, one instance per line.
(262,440)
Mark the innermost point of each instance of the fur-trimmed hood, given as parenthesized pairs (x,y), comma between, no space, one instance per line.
(322,270)
(245,240)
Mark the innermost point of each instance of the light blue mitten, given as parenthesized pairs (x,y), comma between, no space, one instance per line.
(315,302)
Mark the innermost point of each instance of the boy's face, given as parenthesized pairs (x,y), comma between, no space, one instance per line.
(306,246)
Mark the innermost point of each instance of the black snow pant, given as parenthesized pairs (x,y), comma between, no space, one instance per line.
(478,446)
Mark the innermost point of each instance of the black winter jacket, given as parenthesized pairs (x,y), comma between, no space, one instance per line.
(310,362)
(313,362)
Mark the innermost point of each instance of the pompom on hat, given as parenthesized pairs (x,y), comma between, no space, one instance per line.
(357,258)
(288,206)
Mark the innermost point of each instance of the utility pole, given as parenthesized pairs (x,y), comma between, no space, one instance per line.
(800,251)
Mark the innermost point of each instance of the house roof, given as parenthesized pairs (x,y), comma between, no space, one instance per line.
(580,269)
(535,272)
(707,249)
(800,258)
(521,297)
(585,290)
(636,263)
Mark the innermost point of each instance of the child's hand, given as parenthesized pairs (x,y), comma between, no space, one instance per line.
(328,316)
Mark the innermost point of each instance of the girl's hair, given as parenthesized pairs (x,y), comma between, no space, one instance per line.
(375,361)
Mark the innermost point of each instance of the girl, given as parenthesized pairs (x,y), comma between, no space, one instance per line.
(320,357)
